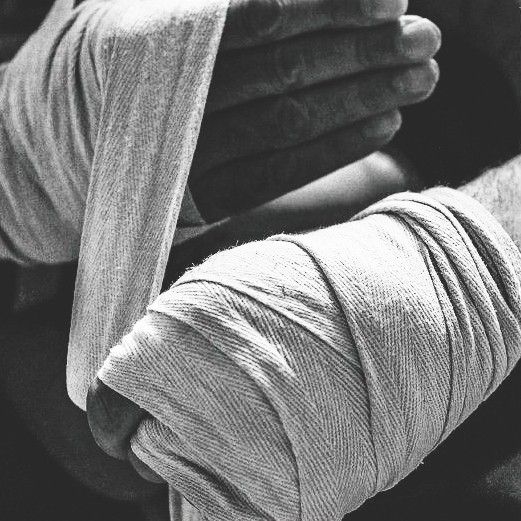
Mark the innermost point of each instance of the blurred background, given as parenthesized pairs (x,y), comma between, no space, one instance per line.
(18,19)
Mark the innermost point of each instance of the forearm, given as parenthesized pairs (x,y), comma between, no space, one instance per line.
(499,191)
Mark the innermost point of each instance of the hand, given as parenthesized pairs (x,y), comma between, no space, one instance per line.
(301,89)
(114,419)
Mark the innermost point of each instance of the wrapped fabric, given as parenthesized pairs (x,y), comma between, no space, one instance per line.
(294,378)
(100,113)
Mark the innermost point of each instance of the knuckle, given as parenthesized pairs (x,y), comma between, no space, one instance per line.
(262,20)
(288,68)
(292,121)
(434,69)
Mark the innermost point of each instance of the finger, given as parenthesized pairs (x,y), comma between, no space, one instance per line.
(283,121)
(143,469)
(314,58)
(247,183)
(112,419)
(254,22)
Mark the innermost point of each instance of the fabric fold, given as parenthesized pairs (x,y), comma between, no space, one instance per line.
(100,113)
(294,378)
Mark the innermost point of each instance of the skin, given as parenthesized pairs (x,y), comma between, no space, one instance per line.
(499,191)
(327,201)
(114,419)
(299,80)
(296,81)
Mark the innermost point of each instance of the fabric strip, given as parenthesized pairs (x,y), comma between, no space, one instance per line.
(294,378)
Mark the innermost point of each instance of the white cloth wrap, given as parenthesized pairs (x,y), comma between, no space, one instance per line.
(100,113)
(294,378)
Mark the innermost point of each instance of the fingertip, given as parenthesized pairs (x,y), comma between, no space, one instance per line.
(416,82)
(420,38)
(395,120)
(438,36)
(435,71)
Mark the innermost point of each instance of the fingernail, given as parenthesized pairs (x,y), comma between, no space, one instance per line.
(384,9)
(420,39)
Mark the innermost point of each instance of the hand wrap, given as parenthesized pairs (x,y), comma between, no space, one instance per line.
(294,378)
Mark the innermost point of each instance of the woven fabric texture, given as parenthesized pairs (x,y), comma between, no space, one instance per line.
(294,378)
(100,113)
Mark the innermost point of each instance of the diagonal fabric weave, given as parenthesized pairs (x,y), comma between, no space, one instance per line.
(99,117)
(100,113)
(294,378)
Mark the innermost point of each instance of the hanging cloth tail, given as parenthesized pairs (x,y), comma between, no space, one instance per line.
(157,57)
(99,116)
